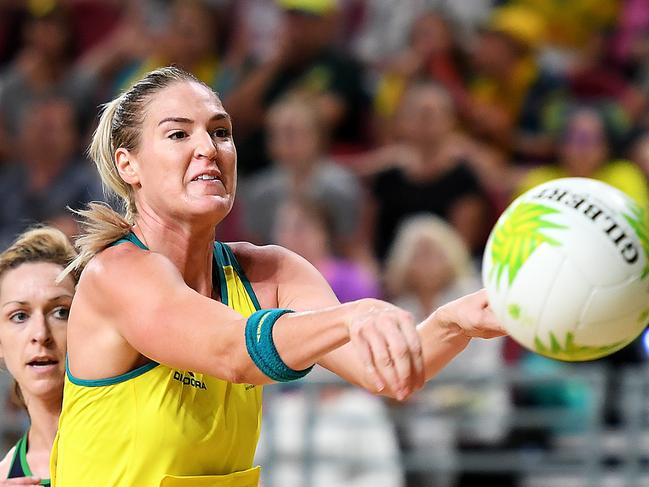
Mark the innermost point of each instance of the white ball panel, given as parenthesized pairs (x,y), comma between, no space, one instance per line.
(625,328)
(528,292)
(563,305)
(609,302)
(596,257)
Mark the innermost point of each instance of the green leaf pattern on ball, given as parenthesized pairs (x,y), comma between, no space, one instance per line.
(514,311)
(571,351)
(517,236)
(638,221)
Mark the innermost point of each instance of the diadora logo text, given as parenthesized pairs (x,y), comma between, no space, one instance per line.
(189,380)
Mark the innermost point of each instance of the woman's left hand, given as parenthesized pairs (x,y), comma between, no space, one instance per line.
(470,316)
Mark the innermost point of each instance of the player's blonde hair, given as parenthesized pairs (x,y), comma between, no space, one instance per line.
(120,126)
(429,228)
(40,244)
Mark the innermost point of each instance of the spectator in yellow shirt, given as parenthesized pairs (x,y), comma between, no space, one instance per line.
(585,150)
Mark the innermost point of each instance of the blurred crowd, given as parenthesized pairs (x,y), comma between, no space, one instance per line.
(379,139)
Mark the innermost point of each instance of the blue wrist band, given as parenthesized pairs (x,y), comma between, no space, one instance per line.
(261,348)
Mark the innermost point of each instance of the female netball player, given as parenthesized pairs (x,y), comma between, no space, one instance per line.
(33,319)
(171,334)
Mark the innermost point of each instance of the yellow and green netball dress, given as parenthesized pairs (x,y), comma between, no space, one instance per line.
(159,426)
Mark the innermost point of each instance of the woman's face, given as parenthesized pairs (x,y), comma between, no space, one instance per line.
(190,36)
(33,321)
(584,148)
(425,117)
(185,165)
(49,37)
(48,134)
(430,269)
(293,138)
(431,35)
(298,231)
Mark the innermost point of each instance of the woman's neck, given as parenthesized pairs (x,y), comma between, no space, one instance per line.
(438,158)
(426,302)
(428,296)
(189,247)
(44,417)
(300,175)
(429,149)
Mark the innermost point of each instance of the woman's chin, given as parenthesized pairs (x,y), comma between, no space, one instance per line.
(214,208)
(44,389)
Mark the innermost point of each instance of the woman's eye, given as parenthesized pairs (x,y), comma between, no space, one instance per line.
(221,132)
(178,135)
(19,317)
(61,313)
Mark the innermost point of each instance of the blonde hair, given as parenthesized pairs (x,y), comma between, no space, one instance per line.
(433,229)
(40,244)
(120,126)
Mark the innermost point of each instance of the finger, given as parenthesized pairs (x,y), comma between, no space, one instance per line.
(381,357)
(491,323)
(413,340)
(400,353)
(492,334)
(363,348)
(482,295)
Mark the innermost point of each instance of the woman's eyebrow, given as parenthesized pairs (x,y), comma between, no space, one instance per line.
(220,116)
(175,119)
(21,303)
(217,116)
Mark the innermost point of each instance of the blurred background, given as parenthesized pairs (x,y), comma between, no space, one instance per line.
(379,139)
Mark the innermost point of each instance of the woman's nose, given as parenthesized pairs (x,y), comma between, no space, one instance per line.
(206,147)
(40,330)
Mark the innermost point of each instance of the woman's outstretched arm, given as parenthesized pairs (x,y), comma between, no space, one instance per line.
(444,334)
(136,303)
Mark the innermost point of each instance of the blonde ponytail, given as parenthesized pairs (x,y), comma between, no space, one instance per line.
(100,226)
(119,126)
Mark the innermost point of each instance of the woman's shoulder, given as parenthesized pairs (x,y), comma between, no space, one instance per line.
(123,255)
(267,267)
(116,265)
(266,256)
(268,262)
(109,260)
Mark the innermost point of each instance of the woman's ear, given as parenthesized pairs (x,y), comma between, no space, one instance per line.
(126,166)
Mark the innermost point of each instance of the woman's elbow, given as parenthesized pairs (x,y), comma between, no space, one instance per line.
(242,370)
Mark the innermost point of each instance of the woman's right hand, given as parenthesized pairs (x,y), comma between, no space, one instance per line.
(20,481)
(386,339)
